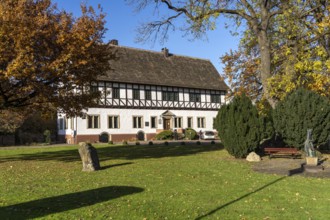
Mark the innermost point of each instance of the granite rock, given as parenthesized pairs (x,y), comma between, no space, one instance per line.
(89,157)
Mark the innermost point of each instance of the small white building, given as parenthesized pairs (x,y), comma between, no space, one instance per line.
(148,92)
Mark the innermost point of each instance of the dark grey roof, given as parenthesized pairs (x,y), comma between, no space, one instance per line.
(154,68)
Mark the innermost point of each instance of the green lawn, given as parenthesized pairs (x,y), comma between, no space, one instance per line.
(152,182)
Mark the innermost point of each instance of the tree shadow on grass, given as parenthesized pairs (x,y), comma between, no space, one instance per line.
(115,165)
(154,151)
(118,152)
(43,207)
(240,198)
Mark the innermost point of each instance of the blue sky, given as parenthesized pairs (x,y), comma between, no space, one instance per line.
(122,22)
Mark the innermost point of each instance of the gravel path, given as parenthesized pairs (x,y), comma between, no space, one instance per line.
(290,167)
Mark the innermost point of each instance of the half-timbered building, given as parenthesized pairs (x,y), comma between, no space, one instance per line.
(148,92)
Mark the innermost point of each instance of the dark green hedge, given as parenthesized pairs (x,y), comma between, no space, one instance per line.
(300,111)
(240,128)
(164,135)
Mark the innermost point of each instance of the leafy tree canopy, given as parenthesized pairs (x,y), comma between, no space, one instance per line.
(10,120)
(47,55)
(300,42)
(279,39)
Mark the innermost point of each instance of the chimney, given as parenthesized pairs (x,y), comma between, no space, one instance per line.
(165,52)
(114,42)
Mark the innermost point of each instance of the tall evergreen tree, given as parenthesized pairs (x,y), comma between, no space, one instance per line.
(240,127)
(299,111)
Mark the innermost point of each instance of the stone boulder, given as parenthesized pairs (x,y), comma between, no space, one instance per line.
(253,157)
(89,158)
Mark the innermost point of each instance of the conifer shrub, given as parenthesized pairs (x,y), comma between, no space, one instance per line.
(125,142)
(137,143)
(198,143)
(151,143)
(240,127)
(110,142)
(164,135)
(190,134)
(299,111)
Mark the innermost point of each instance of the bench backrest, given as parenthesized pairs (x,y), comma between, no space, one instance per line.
(280,149)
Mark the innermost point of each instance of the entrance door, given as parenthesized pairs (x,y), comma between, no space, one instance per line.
(167,124)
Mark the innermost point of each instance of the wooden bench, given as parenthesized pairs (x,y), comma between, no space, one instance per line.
(281,151)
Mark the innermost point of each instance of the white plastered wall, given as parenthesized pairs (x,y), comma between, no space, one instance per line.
(126,120)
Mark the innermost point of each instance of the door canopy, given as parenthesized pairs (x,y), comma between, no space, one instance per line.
(168,114)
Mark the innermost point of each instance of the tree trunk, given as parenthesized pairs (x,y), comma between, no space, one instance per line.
(265,70)
(265,53)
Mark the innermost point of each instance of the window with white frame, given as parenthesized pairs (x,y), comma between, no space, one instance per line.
(189,122)
(61,123)
(147,94)
(153,121)
(178,122)
(93,121)
(66,123)
(136,94)
(170,96)
(194,97)
(93,89)
(200,122)
(113,121)
(115,93)
(215,98)
(137,121)
(72,124)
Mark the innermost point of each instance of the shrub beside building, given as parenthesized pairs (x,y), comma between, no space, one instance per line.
(240,127)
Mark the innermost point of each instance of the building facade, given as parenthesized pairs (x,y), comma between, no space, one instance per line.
(145,93)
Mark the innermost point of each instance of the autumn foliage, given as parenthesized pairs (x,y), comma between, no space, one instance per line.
(47,54)
(241,72)
(10,120)
(299,38)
